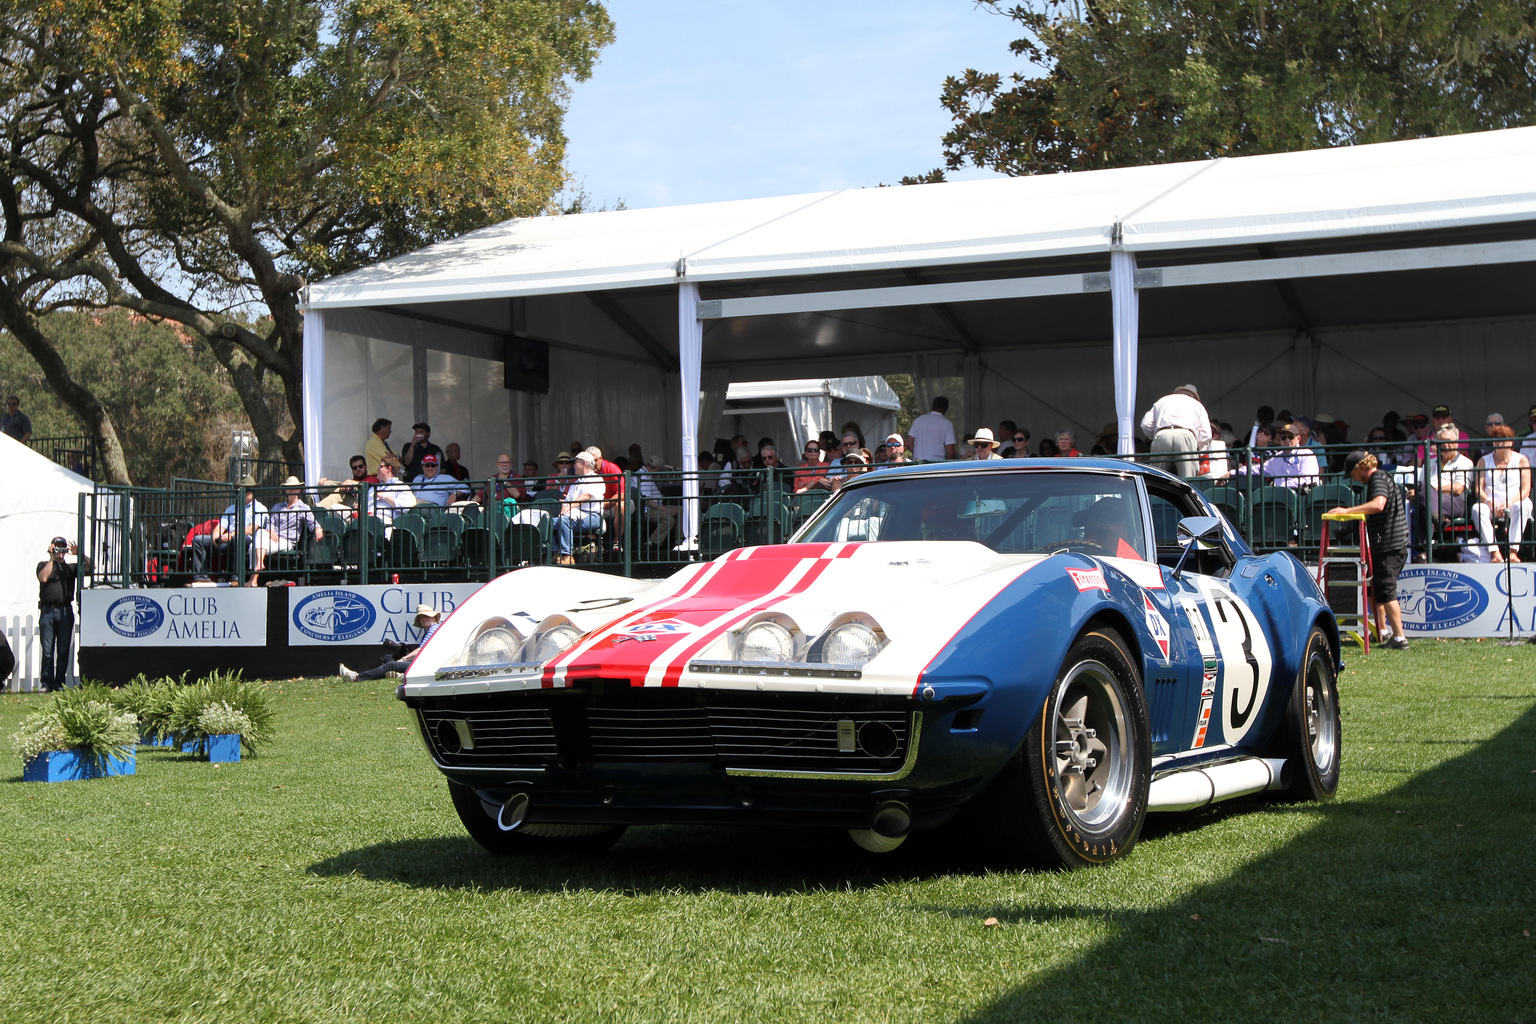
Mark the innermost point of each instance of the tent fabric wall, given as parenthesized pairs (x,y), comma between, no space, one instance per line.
(611,403)
(30,516)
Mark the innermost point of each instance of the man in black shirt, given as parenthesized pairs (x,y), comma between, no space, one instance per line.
(1386,523)
(56,610)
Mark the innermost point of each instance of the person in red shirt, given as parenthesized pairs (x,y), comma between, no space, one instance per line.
(811,472)
(613,490)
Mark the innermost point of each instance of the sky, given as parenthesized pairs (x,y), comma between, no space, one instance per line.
(699,102)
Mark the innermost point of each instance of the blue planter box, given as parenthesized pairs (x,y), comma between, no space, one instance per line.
(224,749)
(67,765)
(151,741)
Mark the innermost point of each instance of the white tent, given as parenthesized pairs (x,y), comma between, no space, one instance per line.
(40,501)
(760,408)
(1352,280)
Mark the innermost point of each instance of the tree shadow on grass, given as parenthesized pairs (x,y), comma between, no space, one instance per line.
(1417,904)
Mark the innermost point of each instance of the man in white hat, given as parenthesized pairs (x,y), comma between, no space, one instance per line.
(985,445)
(581,510)
(289,522)
(1177,424)
(427,620)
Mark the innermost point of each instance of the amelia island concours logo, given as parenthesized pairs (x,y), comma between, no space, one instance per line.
(334,615)
(135,616)
(1434,599)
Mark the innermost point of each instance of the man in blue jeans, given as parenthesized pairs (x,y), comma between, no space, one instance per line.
(56,610)
(581,511)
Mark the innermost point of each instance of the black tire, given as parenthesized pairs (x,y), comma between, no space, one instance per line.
(479,818)
(1310,736)
(1051,807)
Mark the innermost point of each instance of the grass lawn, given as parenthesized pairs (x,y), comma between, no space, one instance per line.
(329,879)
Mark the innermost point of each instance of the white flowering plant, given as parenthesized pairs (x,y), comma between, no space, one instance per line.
(219,719)
(77,720)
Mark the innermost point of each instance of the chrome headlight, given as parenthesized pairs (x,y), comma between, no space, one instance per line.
(765,641)
(852,643)
(547,643)
(496,646)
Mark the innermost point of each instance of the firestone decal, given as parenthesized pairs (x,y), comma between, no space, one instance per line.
(1088,579)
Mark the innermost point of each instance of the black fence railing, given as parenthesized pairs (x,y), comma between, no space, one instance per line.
(76,452)
(205,532)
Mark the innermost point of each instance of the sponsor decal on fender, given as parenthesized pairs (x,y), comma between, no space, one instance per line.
(1207,695)
(1158,627)
(1088,579)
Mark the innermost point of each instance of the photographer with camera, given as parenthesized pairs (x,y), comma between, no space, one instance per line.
(56,609)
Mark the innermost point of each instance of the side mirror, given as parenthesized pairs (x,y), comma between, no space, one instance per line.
(1201,533)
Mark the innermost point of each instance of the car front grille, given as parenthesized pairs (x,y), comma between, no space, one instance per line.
(787,732)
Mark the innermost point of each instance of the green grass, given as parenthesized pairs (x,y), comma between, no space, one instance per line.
(328,879)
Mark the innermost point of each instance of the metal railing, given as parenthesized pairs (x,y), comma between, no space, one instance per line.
(478,529)
(75,452)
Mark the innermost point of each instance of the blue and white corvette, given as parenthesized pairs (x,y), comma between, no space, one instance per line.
(1054,647)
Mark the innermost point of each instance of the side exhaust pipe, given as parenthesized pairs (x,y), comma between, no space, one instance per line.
(1197,787)
(514,812)
(889,824)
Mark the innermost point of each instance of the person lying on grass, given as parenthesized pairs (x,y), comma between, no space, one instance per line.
(400,659)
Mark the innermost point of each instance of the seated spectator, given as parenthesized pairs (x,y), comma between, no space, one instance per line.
(428,619)
(504,485)
(1503,492)
(289,522)
(984,445)
(562,471)
(898,454)
(1444,479)
(1107,442)
(709,472)
(1066,444)
(435,487)
(580,509)
(1018,444)
(417,449)
(738,477)
(1005,431)
(377,449)
(1291,467)
(451,466)
(231,524)
(391,497)
(1048,449)
(661,516)
(613,492)
(811,472)
(827,445)
(854,464)
(345,493)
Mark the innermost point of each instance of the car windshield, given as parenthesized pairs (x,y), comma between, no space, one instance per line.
(1010,512)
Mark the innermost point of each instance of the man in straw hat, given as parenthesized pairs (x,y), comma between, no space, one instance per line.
(427,619)
(223,534)
(985,445)
(1177,425)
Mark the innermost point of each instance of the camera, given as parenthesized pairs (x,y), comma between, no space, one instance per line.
(60,547)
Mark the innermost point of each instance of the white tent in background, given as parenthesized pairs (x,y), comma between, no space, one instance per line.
(811,405)
(40,501)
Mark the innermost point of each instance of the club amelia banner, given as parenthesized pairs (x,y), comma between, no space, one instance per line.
(195,617)
(321,616)
(1468,600)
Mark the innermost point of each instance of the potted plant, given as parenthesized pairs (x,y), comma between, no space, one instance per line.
(76,735)
(150,703)
(221,705)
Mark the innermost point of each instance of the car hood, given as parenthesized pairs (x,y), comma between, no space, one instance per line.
(920,593)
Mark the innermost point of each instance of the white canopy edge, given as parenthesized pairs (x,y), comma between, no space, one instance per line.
(870,390)
(1422,184)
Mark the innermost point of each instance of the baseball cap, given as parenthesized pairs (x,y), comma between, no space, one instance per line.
(895,439)
(1352,460)
(57,542)
(1440,410)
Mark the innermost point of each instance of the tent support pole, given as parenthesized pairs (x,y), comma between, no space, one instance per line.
(690,356)
(1126,316)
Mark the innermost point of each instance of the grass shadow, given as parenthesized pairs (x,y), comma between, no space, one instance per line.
(1413,905)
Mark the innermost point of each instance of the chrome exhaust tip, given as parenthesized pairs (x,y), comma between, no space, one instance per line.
(514,812)
(892,819)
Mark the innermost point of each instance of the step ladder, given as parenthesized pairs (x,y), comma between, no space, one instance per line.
(1344,576)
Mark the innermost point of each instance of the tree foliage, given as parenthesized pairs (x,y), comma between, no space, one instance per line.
(1122,82)
(171,401)
(188,159)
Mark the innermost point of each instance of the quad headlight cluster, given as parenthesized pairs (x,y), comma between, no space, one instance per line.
(850,642)
(499,644)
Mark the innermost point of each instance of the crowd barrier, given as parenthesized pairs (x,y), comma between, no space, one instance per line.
(371,534)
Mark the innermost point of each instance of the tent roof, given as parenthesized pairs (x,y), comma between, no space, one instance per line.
(1460,181)
(873,391)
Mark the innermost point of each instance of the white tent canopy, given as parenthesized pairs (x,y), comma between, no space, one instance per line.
(811,405)
(39,502)
(1292,278)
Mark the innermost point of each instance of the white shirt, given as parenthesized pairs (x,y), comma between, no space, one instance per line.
(586,492)
(386,500)
(930,433)
(1295,468)
(1178,410)
(255,516)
